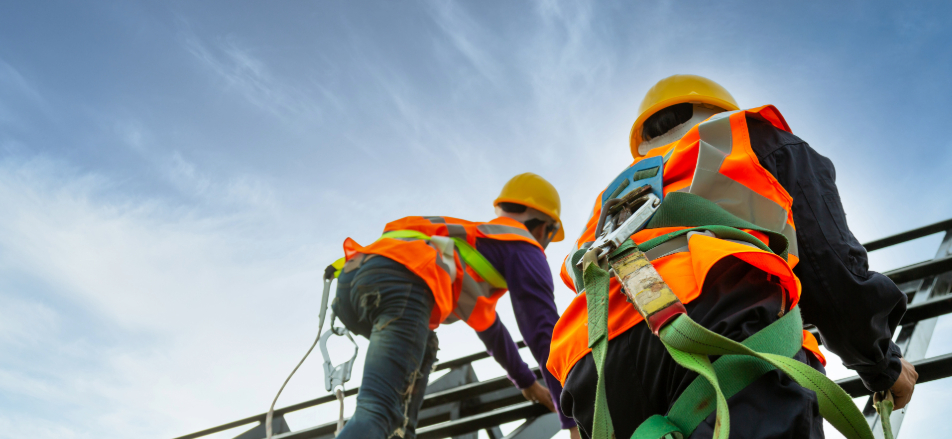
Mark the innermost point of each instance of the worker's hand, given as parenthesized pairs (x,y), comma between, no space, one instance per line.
(539,394)
(904,386)
(573,433)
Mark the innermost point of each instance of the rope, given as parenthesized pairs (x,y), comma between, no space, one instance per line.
(328,278)
(339,392)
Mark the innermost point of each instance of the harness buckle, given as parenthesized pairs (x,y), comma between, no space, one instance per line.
(633,211)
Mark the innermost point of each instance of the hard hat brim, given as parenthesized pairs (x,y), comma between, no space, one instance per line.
(559,234)
(634,136)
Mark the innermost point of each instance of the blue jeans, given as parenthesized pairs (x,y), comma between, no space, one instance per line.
(388,304)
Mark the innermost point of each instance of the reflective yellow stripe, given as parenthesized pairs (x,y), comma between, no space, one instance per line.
(467,253)
(339,265)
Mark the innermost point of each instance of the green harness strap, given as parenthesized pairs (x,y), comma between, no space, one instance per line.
(690,344)
(596,281)
(681,209)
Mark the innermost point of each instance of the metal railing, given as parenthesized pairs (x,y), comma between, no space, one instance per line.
(458,405)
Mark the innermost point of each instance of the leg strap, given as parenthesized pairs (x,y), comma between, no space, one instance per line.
(597,281)
(690,344)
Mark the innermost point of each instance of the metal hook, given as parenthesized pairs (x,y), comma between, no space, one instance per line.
(336,376)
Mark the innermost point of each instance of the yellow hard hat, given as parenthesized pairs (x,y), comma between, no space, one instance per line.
(533,191)
(674,90)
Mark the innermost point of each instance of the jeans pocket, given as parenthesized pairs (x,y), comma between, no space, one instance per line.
(382,303)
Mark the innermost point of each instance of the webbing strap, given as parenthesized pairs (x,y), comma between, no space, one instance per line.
(596,282)
(681,209)
(735,372)
(884,406)
(690,343)
(473,258)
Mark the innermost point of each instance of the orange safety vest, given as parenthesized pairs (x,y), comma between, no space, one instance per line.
(458,291)
(715,161)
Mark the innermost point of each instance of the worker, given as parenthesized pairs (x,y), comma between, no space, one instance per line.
(750,165)
(427,271)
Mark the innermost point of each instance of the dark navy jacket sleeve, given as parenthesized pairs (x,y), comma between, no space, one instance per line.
(531,291)
(855,310)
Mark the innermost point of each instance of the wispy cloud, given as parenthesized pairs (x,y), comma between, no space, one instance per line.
(172,187)
(16,94)
(240,71)
(470,38)
(132,269)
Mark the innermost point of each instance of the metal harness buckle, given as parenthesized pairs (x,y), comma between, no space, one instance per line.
(633,211)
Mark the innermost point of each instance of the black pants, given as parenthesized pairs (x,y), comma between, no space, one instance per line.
(642,379)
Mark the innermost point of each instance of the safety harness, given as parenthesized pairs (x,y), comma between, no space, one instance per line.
(336,376)
(688,343)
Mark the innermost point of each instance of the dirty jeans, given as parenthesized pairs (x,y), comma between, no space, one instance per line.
(386,303)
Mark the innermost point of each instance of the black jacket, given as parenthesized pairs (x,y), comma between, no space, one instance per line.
(856,310)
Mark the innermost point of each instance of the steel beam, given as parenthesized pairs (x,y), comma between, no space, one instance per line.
(909,235)
(261,418)
(930,369)
(543,427)
(478,422)
(920,270)
(491,386)
(456,362)
(921,311)
(914,338)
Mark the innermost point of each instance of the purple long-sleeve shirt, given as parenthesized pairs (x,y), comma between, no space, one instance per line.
(531,289)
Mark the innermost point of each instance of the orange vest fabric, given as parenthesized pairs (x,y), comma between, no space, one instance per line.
(459,293)
(713,160)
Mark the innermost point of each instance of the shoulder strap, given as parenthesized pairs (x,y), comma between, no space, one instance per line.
(473,258)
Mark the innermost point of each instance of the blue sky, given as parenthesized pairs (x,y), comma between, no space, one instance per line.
(174,176)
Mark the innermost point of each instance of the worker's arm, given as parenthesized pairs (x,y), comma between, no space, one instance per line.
(855,310)
(499,344)
(531,291)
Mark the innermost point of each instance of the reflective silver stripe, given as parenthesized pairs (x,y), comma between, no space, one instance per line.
(571,270)
(715,144)
(791,235)
(465,304)
(435,219)
(676,245)
(472,290)
(408,239)
(456,231)
(498,229)
(568,268)
(742,243)
(740,200)
(446,249)
(680,245)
